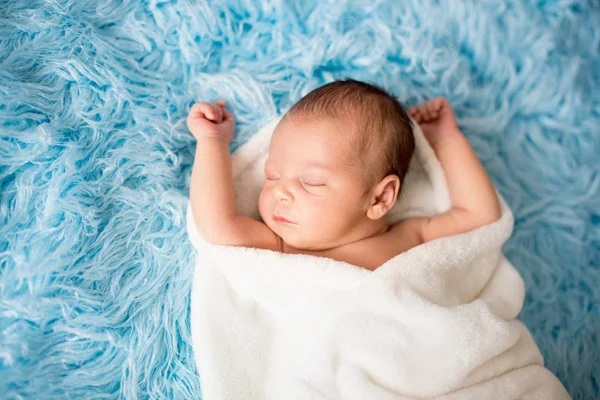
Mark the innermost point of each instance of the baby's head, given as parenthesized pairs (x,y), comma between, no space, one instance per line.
(335,166)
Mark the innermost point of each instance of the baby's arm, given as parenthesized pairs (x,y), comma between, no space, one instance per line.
(474,200)
(212,194)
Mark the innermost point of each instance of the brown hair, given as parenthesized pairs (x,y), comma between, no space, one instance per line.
(383,139)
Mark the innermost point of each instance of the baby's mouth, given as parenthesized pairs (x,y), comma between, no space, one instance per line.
(282,220)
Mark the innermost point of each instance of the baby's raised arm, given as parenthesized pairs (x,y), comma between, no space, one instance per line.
(212,194)
(474,200)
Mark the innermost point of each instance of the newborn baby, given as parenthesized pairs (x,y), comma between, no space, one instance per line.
(335,168)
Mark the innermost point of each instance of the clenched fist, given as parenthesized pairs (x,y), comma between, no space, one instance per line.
(436,119)
(211,120)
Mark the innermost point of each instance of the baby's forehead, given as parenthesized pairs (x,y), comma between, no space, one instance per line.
(312,148)
(330,133)
(304,162)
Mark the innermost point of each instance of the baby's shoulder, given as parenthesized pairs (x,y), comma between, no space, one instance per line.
(404,234)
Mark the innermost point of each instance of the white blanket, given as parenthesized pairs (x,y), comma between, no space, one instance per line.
(437,321)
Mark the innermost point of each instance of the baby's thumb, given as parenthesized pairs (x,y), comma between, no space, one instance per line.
(226,114)
(202,110)
(213,114)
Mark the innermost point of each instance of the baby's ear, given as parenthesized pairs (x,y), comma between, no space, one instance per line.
(384,197)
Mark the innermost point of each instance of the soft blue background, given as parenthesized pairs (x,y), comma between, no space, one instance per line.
(95,161)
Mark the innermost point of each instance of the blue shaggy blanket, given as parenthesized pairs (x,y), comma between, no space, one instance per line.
(95,161)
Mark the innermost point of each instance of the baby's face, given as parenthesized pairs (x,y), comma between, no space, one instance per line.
(310,181)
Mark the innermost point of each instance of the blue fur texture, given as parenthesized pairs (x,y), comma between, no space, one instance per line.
(95,161)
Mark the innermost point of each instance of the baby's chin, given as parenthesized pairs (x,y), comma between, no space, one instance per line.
(293,236)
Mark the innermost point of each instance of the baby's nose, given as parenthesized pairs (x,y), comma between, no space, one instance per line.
(281,194)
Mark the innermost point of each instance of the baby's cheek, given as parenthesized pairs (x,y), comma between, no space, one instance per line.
(329,213)
(317,214)
(263,206)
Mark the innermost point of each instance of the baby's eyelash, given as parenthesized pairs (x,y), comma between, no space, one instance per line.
(313,184)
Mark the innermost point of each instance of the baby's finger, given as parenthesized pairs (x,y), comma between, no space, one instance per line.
(211,114)
(434,111)
(432,108)
(219,113)
(435,108)
(417,116)
(227,114)
(439,104)
(203,109)
(422,111)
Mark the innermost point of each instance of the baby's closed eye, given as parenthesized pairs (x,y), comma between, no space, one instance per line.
(312,183)
(314,187)
(270,175)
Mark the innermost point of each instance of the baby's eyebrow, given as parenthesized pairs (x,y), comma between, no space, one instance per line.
(320,166)
(311,165)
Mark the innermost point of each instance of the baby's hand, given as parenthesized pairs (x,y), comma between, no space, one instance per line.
(209,120)
(436,119)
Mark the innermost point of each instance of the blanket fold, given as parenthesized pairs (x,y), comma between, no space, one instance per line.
(438,321)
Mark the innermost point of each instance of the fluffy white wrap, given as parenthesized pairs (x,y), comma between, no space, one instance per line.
(437,321)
